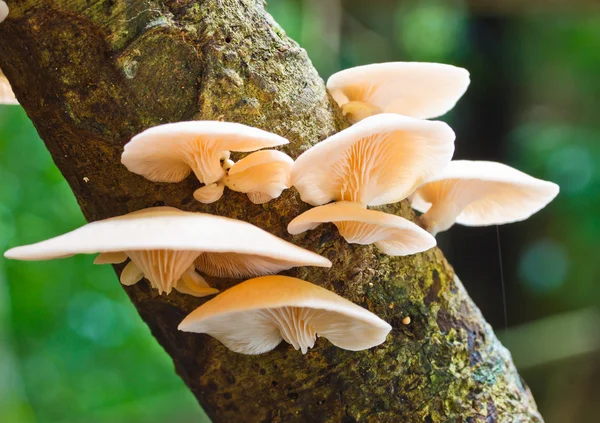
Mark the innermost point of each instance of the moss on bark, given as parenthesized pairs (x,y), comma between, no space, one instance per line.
(91,75)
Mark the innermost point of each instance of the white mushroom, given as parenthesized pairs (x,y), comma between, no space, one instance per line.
(164,242)
(210,193)
(256,315)
(168,153)
(6,93)
(420,90)
(380,160)
(262,175)
(480,193)
(392,234)
(3,11)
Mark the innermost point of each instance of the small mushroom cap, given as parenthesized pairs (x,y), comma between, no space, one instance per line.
(392,234)
(3,11)
(167,228)
(266,171)
(209,193)
(420,90)
(380,160)
(481,193)
(240,319)
(168,153)
(6,93)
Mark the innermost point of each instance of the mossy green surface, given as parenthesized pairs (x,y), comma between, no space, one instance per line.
(90,77)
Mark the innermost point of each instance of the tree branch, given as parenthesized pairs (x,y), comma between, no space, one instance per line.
(93,74)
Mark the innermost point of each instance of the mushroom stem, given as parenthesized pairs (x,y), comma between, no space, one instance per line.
(225,155)
(356,111)
(204,161)
(163,268)
(440,217)
(227,164)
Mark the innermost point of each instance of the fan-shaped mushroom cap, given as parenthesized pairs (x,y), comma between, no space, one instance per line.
(420,90)
(168,153)
(3,11)
(256,315)
(392,234)
(209,193)
(262,175)
(380,160)
(6,93)
(480,193)
(163,243)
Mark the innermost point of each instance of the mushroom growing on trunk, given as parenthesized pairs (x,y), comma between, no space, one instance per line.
(6,93)
(3,11)
(262,175)
(480,193)
(170,152)
(380,160)
(392,234)
(420,90)
(254,317)
(164,242)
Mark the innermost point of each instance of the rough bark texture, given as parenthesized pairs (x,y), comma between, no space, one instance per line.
(92,74)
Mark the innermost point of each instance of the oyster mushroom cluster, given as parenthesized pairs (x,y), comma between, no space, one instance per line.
(391,152)
(380,160)
(471,193)
(169,153)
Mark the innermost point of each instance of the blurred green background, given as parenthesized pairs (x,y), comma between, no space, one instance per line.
(72,348)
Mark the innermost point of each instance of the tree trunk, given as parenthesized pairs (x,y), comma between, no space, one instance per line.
(93,74)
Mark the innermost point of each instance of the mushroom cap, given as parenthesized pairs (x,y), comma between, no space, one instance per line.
(392,234)
(3,11)
(168,153)
(259,158)
(380,160)
(487,193)
(167,228)
(6,93)
(420,90)
(237,316)
(266,171)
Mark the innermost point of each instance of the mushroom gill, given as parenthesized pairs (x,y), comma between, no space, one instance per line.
(232,265)
(163,268)
(363,233)
(294,324)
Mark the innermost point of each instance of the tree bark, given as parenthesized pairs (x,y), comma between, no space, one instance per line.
(90,75)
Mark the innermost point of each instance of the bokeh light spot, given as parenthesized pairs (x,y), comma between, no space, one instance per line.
(543,266)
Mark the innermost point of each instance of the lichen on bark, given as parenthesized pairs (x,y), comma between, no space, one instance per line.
(90,76)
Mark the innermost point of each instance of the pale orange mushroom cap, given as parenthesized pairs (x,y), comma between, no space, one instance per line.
(6,93)
(7,96)
(164,242)
(392,234)
(254,316)
(380,160)
(3,11)
(420,90)
(262,175)
(168,153)
(480,193)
